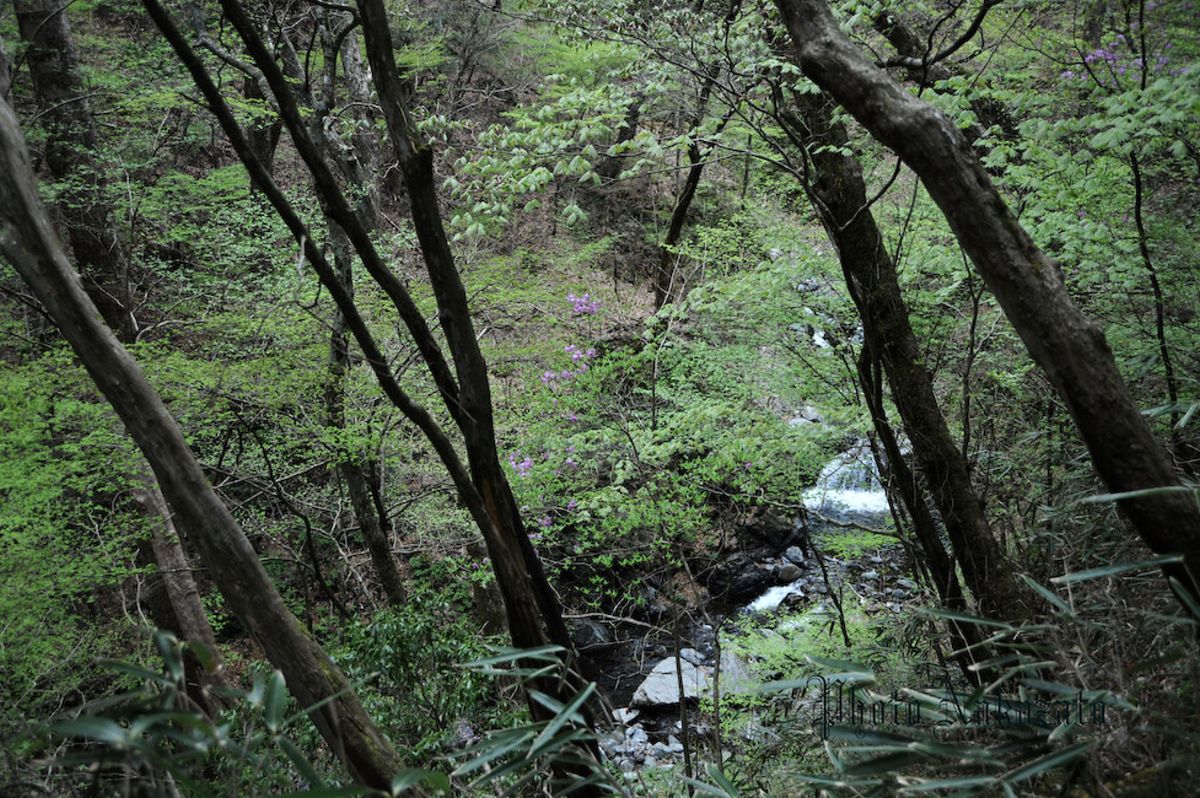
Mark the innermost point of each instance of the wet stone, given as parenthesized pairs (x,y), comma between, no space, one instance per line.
(788,572)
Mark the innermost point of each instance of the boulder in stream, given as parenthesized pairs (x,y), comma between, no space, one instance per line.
(661,687)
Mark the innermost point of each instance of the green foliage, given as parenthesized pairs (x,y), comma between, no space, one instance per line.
(154,735)
(556,145)
(408,660)
(63,556)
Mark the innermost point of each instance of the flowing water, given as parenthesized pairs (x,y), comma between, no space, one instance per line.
(848,486)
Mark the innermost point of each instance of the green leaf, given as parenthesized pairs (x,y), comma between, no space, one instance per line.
(1136,494)
(411,777)
(301,762)
(1048,595)
(100,729)
(567,715)
(1119,568)
(274,699)
(1048,762)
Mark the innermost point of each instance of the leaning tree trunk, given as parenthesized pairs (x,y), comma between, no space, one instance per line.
(990,112)
(29,243)
(839,196)
(99,256)
(1067,345)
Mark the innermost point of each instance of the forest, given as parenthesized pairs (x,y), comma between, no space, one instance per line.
(599,397)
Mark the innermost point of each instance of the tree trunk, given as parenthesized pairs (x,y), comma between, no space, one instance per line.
(263,135)
(664,273)
(30,245)
(70,153)
(357,165)
(528,596)
(900,479)
(839,196)
(5,75)
(175,603)
(353,470)
(1067,345)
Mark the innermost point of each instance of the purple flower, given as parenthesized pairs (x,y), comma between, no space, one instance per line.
(544,522)
(572,506)
(584,305)
(522,467)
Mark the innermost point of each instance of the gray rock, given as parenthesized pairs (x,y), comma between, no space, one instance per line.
(691,655)
(748,583)
(627,765)
(588,633)
(794,600)
(907,584)
(662,685)
(735,675)
(788,572)
(625,715)
(794,555)
(870,575)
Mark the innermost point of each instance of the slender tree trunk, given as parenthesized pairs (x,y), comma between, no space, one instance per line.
(175,599)
(5,75)
(903,481)
(611,167)
(529,600)
(839,196)
(264,134)
(528,597)
(357,166)
(28,242)
(65,113)
(664,273)
(353,470)
(1067,345)
(1160,325)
